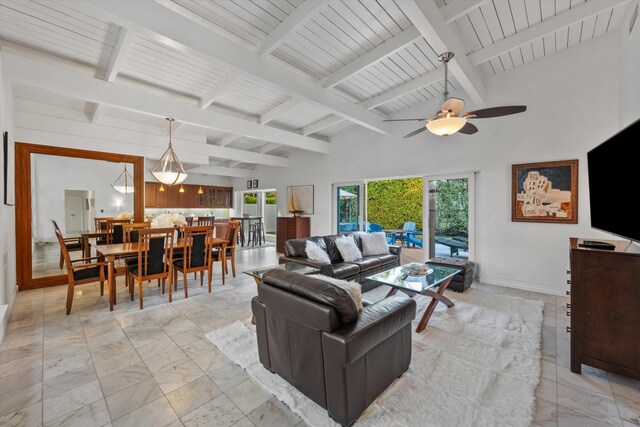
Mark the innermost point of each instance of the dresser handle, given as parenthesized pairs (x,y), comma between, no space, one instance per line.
(568,328)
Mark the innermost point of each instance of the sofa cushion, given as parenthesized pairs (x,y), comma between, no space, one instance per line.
(343,269)
(314,289)
(374,244)
(315,252)
(348,250)
(332,249)
(298,247)
(367,263)
(387,259)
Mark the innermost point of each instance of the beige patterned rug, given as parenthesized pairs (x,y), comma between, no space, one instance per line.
(476,364)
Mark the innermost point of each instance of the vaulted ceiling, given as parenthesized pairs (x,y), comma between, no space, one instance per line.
(259,78)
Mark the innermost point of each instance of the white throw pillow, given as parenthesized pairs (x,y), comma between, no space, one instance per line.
(348,249)
(353,288)
(374,244)
(316,253)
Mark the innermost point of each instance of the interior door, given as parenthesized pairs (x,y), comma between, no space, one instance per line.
(349,206)
(74,214)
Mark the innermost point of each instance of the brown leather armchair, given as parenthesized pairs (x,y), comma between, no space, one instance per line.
(310,333)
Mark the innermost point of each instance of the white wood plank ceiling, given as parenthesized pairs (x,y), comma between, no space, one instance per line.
(347,62)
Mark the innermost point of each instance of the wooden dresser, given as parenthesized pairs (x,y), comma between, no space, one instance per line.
(605,308)
(291,228)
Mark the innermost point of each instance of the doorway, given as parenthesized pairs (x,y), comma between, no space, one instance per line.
(261,203)
(78,211)
(349,198)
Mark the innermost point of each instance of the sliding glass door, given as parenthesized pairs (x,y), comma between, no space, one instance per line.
(348,198)
(450,216)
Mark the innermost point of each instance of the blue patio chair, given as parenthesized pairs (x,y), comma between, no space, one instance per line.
(375,228)
(407,227)
(412,239)
(391,238)
(367,224)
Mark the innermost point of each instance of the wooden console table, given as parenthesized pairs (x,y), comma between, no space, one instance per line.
(291,228)
(605,318)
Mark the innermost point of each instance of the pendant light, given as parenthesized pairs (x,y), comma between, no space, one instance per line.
(124,183)
(169,169)
(181,190)
(161,187)
(200,191)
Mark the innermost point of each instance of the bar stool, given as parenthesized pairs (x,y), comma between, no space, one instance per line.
(256,233)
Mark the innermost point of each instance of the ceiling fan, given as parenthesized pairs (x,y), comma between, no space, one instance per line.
(449,119)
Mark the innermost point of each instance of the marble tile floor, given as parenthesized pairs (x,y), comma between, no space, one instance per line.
(155,367)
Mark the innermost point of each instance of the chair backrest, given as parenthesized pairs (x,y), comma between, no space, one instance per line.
(409,226)
(206,220)
(130,231)
(189,220)
(101,223)
(63,250)
(232,234)
(198,245)
(115,233)
(375,228)
(155,251)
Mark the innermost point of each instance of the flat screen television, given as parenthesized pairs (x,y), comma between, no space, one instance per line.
(613,184)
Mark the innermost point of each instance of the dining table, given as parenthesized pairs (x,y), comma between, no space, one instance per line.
(118,250)
(86,248)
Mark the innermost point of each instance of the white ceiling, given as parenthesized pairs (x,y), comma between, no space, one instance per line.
(365,59)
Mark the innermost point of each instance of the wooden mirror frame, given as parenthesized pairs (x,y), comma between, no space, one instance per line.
(23,152)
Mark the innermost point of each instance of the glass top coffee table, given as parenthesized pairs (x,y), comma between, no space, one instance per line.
(423,279)
(257,273)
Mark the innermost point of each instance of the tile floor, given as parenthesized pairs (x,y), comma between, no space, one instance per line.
(155,367)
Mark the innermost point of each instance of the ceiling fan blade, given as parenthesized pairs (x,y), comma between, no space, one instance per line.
(404,120)
(454,105)
(468,129)
(415,132)
(487,113)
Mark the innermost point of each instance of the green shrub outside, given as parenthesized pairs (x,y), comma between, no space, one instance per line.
(250,199)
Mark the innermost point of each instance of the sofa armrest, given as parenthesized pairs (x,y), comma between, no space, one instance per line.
(376,323)
(396,250)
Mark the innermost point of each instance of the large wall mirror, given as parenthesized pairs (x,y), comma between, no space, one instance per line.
(73,188)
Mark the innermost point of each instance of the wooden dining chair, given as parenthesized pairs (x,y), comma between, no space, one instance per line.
(80,271)
(228,250)
(154,261)
(206,220)
(72,244)
(101,225)
(198,252)
(130,230)
(115,233)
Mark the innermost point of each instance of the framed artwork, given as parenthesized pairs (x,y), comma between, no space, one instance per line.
(545,192)
(7,168)
(255,183)
(300,199)
(249,185)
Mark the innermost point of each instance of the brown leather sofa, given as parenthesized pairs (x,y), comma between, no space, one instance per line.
(310,333)
(295,251)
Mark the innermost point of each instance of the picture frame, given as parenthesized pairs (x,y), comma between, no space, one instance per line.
(545,192)
(300,198)
(249,185)
(255,183)
(8,171)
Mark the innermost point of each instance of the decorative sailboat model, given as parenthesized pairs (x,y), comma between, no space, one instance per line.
(292,207)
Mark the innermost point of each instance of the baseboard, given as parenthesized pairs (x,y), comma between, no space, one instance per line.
(5,312)
(543,288)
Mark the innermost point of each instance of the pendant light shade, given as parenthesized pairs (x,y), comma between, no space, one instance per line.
(447,125)
(161,187)
(181,190)
(124,183)
(200,191)
(169,169)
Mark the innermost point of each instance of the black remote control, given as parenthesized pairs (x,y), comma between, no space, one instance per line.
(595,244)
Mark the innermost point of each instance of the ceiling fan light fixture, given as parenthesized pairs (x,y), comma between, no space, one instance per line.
(446,126)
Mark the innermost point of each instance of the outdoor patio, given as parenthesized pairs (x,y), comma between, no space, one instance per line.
(415,254)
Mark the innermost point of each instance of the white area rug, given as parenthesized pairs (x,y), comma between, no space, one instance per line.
(476,364)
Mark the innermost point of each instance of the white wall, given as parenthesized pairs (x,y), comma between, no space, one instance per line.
(52,175)
(572,102)
(7,215)
(629,69)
